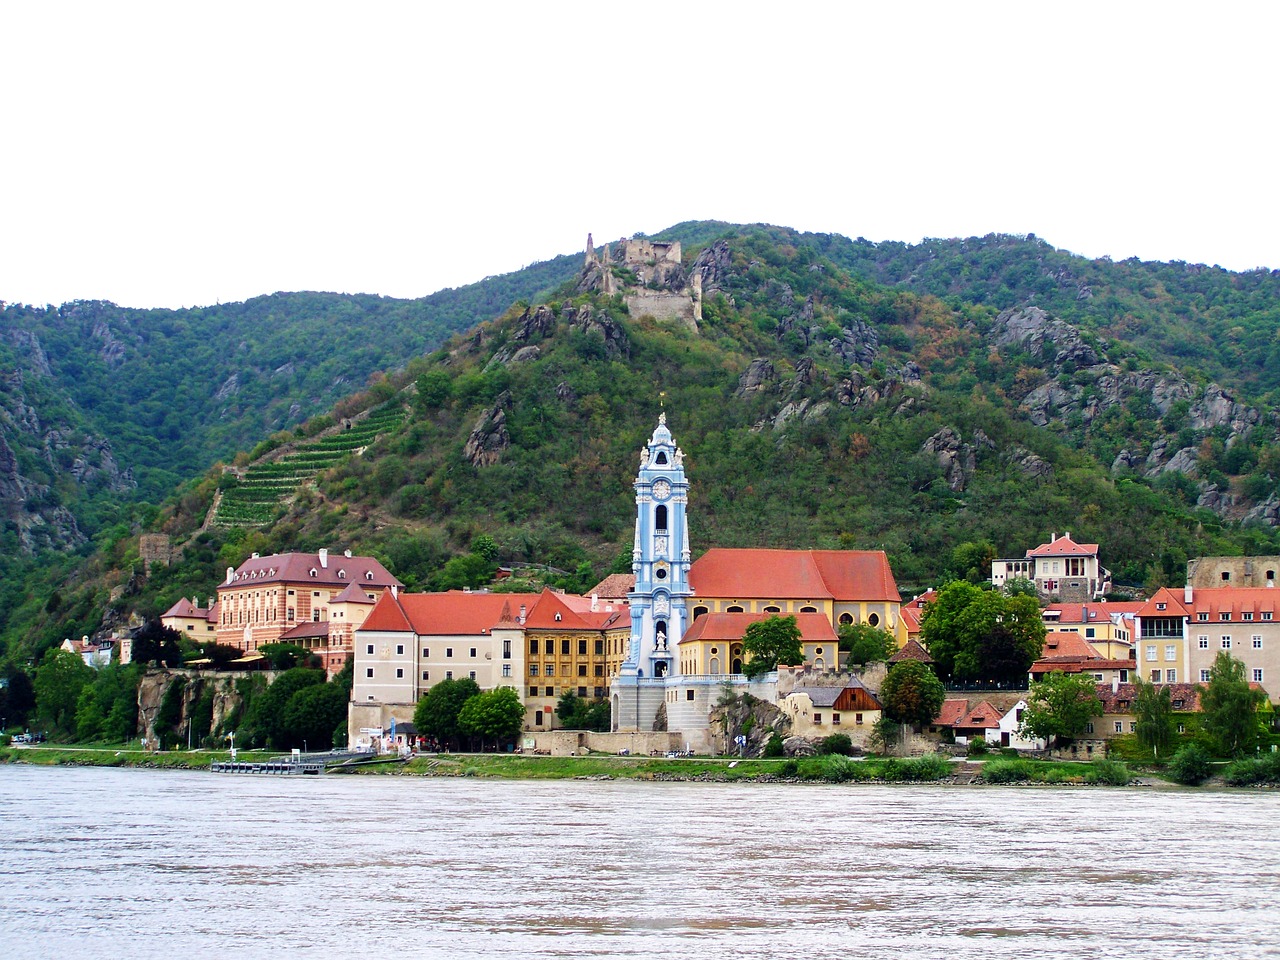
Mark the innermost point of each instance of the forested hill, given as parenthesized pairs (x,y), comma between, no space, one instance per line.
(1205,318)
(816,408)
(102,405)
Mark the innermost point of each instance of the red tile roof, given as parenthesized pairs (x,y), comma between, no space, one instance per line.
(1064,546)
(982,717)
(1067,645)
(574,613)
(355,593)
(794,574)
(616,586)
(1164,603)
(1120,700)
(951,712)
(1079,665)
(814,627)
(335,570)
(456,613)
(912,650)
(307,630)
(184,608)
(1233,601)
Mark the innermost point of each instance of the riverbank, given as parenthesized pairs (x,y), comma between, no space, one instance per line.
(827,769)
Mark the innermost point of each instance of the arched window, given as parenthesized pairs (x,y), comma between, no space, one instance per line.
(846,619)
(714,668)
(733,609)
(698,611)
(773,608)
(809,609)
(874,619)
(660,517)
(661,457)
(819,664)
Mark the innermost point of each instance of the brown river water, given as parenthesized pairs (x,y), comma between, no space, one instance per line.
(142,864)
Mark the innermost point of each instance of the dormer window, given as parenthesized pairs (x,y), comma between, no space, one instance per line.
(1225,615)
(313,571)
(342,574)
(558,617)
(1202,617)
(1160,606)
(368,574)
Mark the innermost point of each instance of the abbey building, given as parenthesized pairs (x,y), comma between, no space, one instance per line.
(688,618)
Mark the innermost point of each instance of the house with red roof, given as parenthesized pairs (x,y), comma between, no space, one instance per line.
(1180,632)
(1060,568)
(846,586)
(820,710)
(197,622)
(1068,652)
(540,644)
(267,597)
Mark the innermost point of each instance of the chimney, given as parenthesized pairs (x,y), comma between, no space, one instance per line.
(1115,683)
(595,602)
(394,591)
(231,574)
(1187,594)
(324,559)
(523,612)
(347,554)
(1066,534)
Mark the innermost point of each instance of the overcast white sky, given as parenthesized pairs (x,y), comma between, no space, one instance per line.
(178,154)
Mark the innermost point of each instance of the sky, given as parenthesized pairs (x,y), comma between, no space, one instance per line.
(183,154)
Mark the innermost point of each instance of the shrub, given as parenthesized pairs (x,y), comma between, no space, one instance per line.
(1007,771)
(1110,772)
(788,769)
(977,747)
(773,747)
(1254,770)
(928,768)
(837,743)
(1190,766)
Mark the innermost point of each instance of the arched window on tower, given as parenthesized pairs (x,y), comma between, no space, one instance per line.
(661,457)
(660,518)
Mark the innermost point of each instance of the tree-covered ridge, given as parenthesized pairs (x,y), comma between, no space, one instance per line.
(146,399)
(816,408)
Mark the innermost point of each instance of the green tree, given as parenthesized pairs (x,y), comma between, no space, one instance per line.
(285,656)
(1230,707)
(264,723)
(769,642)
(577,713)
(312,716)
(469,570)
(911,693)
(1060,707)
(973,633)
(17,697)
(1153,707)
(971,561)
(60,679)
(436,714)
(156,643)
(496,713)
(866,644)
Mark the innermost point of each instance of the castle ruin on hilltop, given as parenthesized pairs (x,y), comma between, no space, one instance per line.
(650,277)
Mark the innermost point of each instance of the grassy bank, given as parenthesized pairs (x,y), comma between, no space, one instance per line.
(122,757)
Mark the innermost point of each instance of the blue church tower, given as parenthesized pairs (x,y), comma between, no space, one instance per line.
(659,603)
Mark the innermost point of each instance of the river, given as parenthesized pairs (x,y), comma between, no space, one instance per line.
(140,864)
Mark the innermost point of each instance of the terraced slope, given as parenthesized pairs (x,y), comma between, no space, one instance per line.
(266,488)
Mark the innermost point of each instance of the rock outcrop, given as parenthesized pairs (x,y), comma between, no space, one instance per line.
(489,437)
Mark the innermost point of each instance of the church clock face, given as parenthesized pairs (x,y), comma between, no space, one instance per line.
(661,489)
